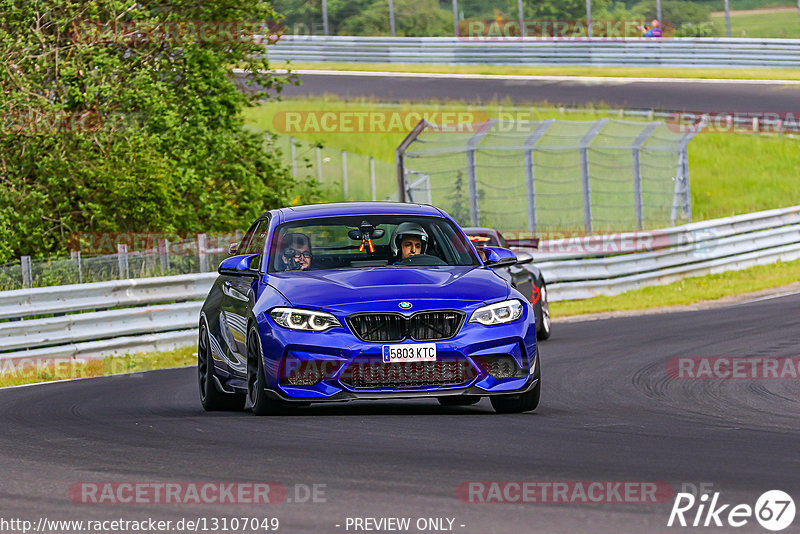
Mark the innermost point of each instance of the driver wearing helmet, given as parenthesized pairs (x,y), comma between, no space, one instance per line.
(408,239)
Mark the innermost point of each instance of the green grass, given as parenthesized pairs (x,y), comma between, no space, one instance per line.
(751,4)
(13,375)
(687,291)
(775,24)
(625,72)
(729,173)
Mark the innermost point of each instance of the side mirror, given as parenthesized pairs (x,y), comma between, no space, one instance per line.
(523,257)
(238,265)
(232,248)
(498,257)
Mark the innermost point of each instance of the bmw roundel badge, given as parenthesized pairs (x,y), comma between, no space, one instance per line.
(405,305)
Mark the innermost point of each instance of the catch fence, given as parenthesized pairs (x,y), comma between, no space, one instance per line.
(551,175)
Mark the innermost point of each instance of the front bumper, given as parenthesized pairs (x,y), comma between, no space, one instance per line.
(344,395)
(337,350)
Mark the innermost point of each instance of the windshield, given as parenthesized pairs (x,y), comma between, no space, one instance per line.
(368,241)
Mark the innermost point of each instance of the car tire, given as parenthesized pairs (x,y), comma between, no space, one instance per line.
(256,379)
(459,400)
(542,312)
(524,402)
(212,398)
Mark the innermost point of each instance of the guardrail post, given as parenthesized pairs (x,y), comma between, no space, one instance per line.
(637,170)
(727,19)
(202,246)
(472,174)
(682,197)
(122,260)
(75,255)
(529,176)
(587,193)
(372,177)
(391,18)
(319,165)
(344,172)
(400,158)
(163,255)
(27,274)
(455,18)
(293,150)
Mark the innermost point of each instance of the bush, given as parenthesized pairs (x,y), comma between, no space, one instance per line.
(704,29)
(169,152)
(675,13)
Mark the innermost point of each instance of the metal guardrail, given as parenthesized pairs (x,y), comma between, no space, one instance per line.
(104,295)
(601,52)
(155,314)
(161,313)
(78,327)
(664,256)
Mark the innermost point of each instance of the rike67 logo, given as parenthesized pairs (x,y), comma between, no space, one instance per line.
(774,510)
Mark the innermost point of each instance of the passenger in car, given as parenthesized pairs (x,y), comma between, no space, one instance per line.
(295,252)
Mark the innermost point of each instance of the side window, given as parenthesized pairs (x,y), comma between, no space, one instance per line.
(257,242)
(256,245)
(503,242)
(242,247)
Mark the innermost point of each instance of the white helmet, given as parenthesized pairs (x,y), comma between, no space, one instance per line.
(408,228)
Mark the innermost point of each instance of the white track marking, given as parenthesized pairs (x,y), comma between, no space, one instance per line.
(588,80)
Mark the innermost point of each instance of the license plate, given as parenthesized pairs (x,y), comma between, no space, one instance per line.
(410,352)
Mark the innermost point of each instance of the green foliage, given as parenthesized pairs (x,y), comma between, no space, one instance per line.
(675,13)
(703,29)
(128,134)
(414,18)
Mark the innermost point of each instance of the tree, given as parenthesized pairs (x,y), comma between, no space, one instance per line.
(676,13)
(413,18)
(126,117)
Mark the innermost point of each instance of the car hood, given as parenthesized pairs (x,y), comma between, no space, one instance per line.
(321,289)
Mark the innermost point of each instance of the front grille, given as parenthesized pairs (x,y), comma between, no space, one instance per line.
(406,375)
(421,326)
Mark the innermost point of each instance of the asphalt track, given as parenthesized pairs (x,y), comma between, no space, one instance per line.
(609,412)
(700,96)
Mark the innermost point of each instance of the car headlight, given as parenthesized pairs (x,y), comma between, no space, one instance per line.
(498,313)
(296,319)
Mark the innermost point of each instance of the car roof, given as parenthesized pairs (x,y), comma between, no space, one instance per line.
(479,230)
(334,209)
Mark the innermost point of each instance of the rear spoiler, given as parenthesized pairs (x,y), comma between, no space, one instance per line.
(531,242)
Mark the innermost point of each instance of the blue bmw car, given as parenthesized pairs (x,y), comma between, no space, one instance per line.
(336,302)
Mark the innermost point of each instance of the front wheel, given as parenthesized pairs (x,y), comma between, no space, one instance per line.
(524,402)
(210,397)
(256,380)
